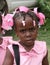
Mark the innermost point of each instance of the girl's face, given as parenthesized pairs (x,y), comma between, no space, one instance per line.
(28,33)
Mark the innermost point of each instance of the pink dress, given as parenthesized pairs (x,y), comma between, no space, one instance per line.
(34,56)
(3,48)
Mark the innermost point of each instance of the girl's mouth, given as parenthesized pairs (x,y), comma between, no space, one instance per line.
(29,39)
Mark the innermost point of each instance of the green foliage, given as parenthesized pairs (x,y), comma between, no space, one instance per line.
(46,26)
(44,6)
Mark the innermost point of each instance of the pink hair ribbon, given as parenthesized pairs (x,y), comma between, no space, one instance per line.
(40,15)
(7,22)
(22,8)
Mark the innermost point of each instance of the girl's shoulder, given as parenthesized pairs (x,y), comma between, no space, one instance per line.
(10,47)
(40,47)
(40,42)
(11,41)
(7,39)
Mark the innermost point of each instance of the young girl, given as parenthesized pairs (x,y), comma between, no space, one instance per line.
(4,42)
(3,7)
(32,51)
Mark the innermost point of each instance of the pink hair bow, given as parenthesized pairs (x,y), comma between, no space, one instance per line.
(40,15)
(22,8)
(7,22)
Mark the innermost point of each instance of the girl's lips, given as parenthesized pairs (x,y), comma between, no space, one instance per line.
(29,39)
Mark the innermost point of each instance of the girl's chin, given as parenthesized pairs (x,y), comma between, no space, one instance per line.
(30,43)
(27,43)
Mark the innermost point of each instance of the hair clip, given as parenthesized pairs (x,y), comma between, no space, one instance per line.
(35,10)
(23,22)
(34,22)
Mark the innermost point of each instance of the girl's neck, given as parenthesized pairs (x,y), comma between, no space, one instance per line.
(27,48)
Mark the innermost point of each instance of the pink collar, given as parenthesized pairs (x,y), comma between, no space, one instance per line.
(39,47)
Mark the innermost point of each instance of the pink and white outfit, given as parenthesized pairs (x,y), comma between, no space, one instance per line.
(3,46)
(34,56)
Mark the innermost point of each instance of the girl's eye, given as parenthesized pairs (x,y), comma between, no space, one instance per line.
(23,31)
(31,29)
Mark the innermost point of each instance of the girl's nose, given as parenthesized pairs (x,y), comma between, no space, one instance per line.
(28,33)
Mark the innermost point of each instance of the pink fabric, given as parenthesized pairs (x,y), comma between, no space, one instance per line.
(42,18)
(7,22)
(40,15)
(34,57)
(22,8)
(3,48)
(35,10)
(8,38)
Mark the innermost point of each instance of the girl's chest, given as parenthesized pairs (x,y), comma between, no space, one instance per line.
(30,59)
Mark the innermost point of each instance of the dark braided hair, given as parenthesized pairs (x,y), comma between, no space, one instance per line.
(19,15)
(0,19)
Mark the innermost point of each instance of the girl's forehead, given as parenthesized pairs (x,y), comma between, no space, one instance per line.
(29,22)
(26,20)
